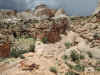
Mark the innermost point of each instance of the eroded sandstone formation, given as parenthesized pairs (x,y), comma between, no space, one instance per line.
(4,49)
(41,23)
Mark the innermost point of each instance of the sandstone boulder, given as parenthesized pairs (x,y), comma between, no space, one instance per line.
(60,12)
(43,10)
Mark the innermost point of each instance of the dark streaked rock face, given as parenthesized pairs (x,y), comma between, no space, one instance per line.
(5,49)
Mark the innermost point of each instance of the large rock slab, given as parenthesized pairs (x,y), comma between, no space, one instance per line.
(5,49)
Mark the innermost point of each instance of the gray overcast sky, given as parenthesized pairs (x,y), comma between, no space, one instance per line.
(75,7)
(14,4)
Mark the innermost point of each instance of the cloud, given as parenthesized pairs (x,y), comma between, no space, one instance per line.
(14,4)
(72,7)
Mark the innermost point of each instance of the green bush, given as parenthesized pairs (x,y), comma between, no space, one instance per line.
(53,69)
(69,65)
(96,36)
(21,56)
(75,56)
(45,40)
(67,44)
(71,73)
(64,57)
(2,59)
(90,54)
(79,68)
(17,53)
(32,48)
(82,57)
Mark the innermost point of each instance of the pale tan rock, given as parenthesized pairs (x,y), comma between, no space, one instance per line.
(39,47)
(89,69)
(60,12)
(43,10)
(29,54)
(71,37)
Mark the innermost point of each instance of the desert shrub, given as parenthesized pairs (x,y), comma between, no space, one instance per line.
(71,73)
(82,57)
(32,48)
(64,57)
(17,53)
(96,36)
(45,40)
(67,44)
(98,63)
(97,68)
(21,46)
(75,56)
(90,54)
(2,59)
(79,68)
(21,56)
(69,65)
(53,69)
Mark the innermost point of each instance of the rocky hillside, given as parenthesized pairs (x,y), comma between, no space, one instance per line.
(48,42)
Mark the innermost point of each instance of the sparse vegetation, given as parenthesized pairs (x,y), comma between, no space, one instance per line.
(79,68)
(69,65)
(90,54)
(32,48)
(71,73)
(75,56)
(64,57)
(2,59)
(17,53)
(96,36)
(97,68)
(45,40)
(53,69)
(82,57)
(67,44)
(21,56)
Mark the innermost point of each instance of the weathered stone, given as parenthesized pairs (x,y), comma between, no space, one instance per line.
(41,35)
(43,10)
(53,36)
(60,12)
(62,25)
(5,49)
